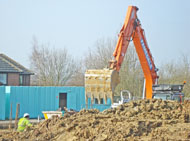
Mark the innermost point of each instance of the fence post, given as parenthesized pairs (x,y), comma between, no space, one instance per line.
(17,113)
(10,118)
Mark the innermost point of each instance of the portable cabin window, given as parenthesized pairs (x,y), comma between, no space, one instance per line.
(3,79)
(62,100)
(101,101)
(95,101)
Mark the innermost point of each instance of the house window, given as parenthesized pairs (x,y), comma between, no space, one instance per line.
(3,79)
(21,79)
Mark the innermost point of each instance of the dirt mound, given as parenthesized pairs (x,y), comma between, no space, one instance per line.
(144,119)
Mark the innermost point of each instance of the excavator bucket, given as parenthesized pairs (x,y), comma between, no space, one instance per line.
(100,84)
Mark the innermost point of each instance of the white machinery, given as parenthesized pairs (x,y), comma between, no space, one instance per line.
(124,98)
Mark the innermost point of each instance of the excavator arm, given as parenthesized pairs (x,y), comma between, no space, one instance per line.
(101,83)
(146,59)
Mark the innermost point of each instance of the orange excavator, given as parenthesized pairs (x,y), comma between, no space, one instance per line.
(100,84)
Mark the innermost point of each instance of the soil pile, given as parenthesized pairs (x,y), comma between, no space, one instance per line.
(144,120)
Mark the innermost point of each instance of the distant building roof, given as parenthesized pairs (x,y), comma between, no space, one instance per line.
(9,65)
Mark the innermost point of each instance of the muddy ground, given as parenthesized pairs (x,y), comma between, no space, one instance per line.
(137,120)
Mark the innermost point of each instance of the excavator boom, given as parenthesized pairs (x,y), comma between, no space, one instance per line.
(125,36)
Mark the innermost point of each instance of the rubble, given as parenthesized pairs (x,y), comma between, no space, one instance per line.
(137,120)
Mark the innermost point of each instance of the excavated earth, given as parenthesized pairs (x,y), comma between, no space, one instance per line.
(136,120)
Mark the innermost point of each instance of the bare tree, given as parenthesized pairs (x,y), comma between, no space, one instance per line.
(51,67)
(99,56)
(57,67)
(176,72)
(77,78)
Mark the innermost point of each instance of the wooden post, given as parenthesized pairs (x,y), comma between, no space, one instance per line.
(17,113)
(10,118)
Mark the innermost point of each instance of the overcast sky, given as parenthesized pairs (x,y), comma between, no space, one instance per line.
(78,24)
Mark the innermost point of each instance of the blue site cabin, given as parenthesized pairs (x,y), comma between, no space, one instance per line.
(35,99)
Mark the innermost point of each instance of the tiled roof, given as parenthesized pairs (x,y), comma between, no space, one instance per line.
(9,65)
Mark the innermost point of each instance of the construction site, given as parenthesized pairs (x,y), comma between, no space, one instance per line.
(99,104)
(137,120)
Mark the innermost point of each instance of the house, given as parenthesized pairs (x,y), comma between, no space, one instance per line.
(12,73)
